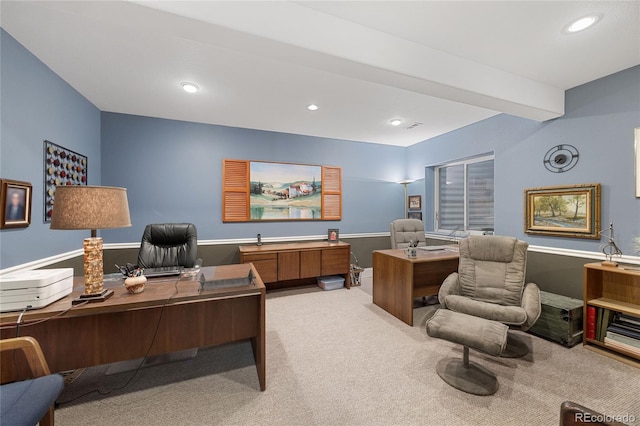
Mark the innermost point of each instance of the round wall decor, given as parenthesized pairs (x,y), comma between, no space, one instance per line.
(561,158)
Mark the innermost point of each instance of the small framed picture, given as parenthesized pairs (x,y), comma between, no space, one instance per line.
(333,234)
(415,202)
(16,204)
(414,215)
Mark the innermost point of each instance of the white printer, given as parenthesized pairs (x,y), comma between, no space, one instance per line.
(37,288)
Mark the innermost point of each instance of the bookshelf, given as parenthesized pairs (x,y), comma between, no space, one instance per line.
(615,289)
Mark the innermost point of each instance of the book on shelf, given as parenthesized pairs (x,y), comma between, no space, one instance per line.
(627,326)
(623,339)
(614,344)
(591,322)
(624,331)
(628,319)
(605,316)
(599,324)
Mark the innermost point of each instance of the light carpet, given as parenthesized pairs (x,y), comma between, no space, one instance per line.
(335,358)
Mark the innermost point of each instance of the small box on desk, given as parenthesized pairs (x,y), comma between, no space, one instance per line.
(37,288)
(330,282)
(560,319)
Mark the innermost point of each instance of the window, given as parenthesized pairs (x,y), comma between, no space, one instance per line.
(464,196)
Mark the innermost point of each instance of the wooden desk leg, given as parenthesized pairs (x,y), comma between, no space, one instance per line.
(258,345)
(407,293)
(393,286)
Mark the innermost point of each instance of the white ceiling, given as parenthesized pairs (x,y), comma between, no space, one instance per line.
(443,64)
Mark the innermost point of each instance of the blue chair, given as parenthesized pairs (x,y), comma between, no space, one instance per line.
(28,402)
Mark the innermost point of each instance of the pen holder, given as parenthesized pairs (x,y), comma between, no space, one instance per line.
(135,284)
(411,252)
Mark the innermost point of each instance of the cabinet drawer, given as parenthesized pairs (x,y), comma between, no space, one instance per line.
(310,264)
(253,257)
(335,261)
(267,269)
(266,264)
(288,265)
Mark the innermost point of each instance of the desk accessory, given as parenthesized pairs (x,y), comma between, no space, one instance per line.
(412,250)
(91,207)
(135,284)
(217,278)
(610,249)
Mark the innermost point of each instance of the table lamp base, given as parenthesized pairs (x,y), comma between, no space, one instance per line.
(93,297)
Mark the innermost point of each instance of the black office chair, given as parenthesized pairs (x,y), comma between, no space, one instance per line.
(169,244)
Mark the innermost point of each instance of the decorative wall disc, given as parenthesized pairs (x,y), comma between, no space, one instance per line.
(561,158)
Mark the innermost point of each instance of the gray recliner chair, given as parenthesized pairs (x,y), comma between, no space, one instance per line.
(403,231)
(490,284)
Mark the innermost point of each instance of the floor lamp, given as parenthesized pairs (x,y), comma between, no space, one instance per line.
(405,183)
(91,207)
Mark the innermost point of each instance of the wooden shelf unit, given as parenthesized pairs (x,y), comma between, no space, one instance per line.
(298,263)
(616,289)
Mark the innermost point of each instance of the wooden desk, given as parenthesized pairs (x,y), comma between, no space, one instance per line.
(397,279)
(298,263)
(124,326)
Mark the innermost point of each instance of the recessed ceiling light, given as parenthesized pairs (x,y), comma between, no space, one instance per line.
(189,87)
(396,121)
(312,107)
(581,24)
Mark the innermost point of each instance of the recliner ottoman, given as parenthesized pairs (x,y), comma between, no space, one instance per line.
(480,334)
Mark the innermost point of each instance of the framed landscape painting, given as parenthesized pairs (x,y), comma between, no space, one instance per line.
(566,211)
(283,191)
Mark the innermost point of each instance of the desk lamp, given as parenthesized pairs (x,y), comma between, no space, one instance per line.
(91,207)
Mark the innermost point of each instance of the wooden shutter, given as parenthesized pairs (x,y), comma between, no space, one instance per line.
(235,191)
(331,193)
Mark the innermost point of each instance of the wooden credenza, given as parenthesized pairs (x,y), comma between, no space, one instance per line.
(289,264)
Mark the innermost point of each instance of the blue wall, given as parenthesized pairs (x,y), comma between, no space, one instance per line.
(36,105)
(599,121)
(172,171)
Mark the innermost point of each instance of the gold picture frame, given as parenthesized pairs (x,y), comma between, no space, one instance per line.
(564,211)
(15,196)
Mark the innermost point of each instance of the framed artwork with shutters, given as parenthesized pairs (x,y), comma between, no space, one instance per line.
(270,191)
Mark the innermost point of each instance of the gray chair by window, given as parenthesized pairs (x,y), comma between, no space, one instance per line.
(490,283)
(29,402)
(169,244)
(403,231)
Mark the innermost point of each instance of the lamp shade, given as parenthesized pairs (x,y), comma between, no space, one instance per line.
(90,207)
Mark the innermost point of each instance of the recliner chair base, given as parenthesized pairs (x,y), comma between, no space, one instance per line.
(516,347)
(467,376)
